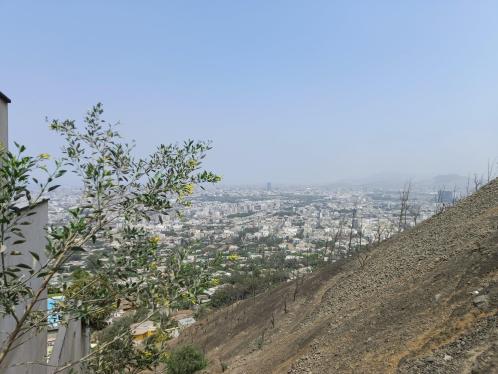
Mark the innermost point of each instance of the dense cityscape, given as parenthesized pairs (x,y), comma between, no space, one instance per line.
(280,231)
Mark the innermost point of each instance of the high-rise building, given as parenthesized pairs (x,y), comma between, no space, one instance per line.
(268,186)
(444,196)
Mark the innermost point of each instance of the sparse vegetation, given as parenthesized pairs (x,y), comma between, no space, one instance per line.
(405,287)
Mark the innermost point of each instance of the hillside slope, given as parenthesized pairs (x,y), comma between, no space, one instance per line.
(425,301)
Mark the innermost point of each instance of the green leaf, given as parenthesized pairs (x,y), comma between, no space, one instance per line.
(43,274)
(35,255)
(23,266)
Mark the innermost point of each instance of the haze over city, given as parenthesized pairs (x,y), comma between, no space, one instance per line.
(288,92)
(248,187)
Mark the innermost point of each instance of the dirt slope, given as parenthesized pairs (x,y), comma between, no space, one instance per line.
(426,301)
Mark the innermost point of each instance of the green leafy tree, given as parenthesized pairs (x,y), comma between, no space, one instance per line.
(119,354)
(120,193)
(185,360)
(96,294)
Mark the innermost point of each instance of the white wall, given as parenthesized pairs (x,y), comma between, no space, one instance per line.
(33,346)
(72,343)
(4,133)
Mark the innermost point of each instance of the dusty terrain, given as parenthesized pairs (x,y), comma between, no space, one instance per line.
(425,301)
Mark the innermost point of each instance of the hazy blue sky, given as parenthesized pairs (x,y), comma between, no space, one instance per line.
(288,91)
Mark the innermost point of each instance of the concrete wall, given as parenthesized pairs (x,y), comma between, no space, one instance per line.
(32,347)
(4,128)
(72,343)
(29,352)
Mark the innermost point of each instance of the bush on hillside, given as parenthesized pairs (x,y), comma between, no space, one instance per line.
(185,360)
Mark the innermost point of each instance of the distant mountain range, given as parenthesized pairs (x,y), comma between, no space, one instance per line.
(398,180)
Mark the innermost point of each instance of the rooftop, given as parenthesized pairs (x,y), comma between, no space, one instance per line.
(4,98)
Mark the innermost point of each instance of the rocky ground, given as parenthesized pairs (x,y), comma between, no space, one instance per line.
(425,301)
